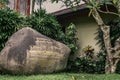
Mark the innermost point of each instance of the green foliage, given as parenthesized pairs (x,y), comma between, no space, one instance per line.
(88,64)
(71,39)
(48,25)
(62,76)
(106,2)
(44,23)
(69,3)
(98,3)
(114,33)
(115,2)
(89,51)
(94,4)
(10,22)
(4,1)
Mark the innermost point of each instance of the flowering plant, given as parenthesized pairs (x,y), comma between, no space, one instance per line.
(89,51)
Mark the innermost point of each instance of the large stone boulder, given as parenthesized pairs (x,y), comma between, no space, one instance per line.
(29,52)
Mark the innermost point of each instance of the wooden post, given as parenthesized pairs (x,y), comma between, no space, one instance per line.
(16,5)
(28,7)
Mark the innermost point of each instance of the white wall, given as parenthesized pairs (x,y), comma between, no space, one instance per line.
(11,4)
(86,28)
(52,7)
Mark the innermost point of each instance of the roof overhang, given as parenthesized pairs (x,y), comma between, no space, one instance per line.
(69,10)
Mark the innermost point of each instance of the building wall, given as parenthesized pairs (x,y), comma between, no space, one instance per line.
(11,4)
(86,28)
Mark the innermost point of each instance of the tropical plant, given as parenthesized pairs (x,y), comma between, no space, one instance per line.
(114,33)
(87,64)
(10,22)
(71,38)
(44,23)
(89,51)
(49,26)
(94,6)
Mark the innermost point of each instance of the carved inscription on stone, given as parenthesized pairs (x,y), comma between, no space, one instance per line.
(47,53)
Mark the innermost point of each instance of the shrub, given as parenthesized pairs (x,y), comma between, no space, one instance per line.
(71,39)
(89,52)
(10,22)
(49,26)
(45,24)
(88,65)
(114,34)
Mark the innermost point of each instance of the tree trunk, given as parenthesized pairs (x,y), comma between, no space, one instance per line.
(113,69)
(110,66)
(112,59)
(109,58)
(111,62)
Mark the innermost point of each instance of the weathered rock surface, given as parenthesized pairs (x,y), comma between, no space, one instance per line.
(29,52)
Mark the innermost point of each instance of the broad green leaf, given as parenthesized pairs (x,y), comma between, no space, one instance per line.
(109,3)
(115,2)
(89,6)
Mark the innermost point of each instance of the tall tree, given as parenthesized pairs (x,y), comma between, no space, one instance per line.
(112,53)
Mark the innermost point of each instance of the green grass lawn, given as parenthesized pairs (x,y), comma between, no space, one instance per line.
(63,76)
